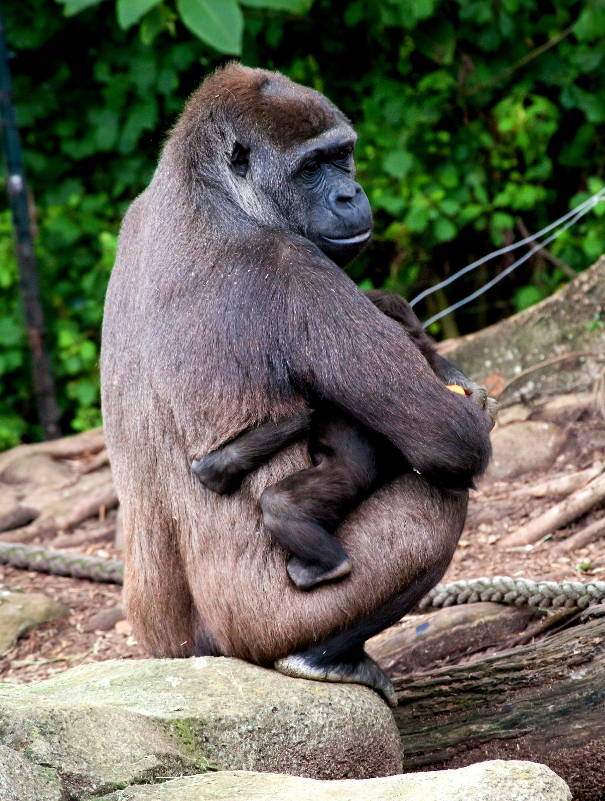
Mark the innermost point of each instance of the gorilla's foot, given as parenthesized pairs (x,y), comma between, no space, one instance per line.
(363,670)
(307,574)
(217,472)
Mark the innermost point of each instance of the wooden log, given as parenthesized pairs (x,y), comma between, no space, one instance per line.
(543,702)
(577,504)
(593,531)
(64,448)
(424,639)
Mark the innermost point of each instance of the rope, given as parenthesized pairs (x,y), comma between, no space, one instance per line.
(516,592)
(478,292)
(500,589)
(60,563)
(583,207)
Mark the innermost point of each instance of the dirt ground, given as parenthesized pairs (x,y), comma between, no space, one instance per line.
(496,509)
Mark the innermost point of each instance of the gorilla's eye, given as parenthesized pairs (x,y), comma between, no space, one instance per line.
(240,159)
(310,169)
(342,158)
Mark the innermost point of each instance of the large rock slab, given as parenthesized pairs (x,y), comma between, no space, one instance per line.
(111,724)
(21,611)
(22,780)
(544,337)
(484,781)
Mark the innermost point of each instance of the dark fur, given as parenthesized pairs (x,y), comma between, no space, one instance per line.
(222,315)
(303,511)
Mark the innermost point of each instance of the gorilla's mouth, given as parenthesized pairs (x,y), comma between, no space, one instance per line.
(350,240)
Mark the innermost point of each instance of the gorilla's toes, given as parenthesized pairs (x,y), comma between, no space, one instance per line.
(307,575)
(362,671)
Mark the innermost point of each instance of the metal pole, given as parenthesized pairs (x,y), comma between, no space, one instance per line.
(44,388)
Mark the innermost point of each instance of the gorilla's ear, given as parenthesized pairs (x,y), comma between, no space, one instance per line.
(240,159)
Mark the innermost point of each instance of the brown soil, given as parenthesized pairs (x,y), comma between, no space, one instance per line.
(494,512)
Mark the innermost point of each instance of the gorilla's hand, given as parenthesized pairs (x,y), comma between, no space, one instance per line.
(477,393)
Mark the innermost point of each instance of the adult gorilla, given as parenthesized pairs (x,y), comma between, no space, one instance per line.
(226,308)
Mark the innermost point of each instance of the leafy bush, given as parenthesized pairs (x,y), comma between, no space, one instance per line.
(474,118)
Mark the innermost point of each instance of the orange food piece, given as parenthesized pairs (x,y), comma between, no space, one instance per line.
(456,388)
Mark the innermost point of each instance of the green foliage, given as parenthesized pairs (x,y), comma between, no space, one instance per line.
(219,23)
(475,119)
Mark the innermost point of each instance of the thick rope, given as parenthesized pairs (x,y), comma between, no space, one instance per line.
(61,563)
(516,592)
(500,589)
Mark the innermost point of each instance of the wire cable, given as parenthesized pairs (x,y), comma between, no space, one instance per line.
(578,213)
(586,205)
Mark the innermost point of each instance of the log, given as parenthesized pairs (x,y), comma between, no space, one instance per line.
(64,448)
(593,531)
(577,504)
(560,485)
(544,702)
(552,329)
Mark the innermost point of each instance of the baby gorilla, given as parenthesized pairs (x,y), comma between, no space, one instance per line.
(303,511)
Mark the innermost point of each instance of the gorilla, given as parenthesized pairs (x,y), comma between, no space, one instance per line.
(228,309)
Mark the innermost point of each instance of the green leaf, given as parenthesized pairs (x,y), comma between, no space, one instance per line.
(294,6)
(131,11)
(444,230)
(591,23)
(219,23)
(398,163)
(526,296)
(72,7)
(417,220)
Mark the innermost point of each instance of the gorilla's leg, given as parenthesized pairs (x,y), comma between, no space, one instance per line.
(224,469)
(303,510)
(341,658)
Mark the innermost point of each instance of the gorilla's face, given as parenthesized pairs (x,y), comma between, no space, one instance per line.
(312,187)
(332,208)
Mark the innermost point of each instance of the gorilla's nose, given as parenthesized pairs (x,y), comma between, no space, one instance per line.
(345,194)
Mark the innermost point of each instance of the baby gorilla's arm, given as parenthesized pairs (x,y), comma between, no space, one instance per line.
(224,469)
(398,309)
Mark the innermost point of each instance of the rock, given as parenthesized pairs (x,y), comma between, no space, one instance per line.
(22,780)
(36,468)
(524,447)
(105,619)
(420,640)
(484,781)
(107,725)
(21,611)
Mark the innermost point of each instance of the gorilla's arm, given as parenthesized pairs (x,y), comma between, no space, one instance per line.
(397,308)
(340,348)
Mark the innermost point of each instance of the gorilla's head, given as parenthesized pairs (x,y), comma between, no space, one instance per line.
(282,153)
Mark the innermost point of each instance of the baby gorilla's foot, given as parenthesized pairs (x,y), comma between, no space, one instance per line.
(218,471)
(362,670)
(306,574)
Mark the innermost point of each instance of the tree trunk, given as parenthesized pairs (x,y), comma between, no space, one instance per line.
(554,347)
(543,702)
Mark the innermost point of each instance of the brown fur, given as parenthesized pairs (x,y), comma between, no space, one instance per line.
(219,317)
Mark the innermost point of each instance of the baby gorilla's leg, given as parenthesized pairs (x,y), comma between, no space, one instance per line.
(295,512)
(224,469)
(304,509)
